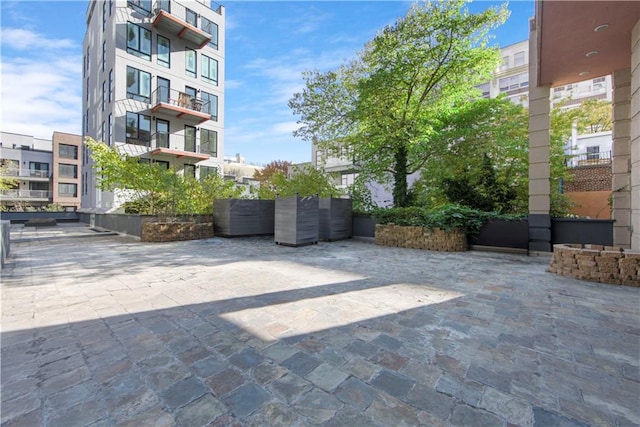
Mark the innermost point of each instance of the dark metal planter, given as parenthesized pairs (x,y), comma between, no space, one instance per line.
(243,217)
(296,221)
(335,219)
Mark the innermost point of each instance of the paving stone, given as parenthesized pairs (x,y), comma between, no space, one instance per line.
(183,392)
(426,398)
(326,377)
(130,404)
(388,411)
(266,372)
(389,360)
(165,376)
(390,382)
(362,348)
(200,412)
(82,392)
(33,418)
(280,351)
(194,354)
(289,387)
(18,388)
(274,414)
(19,406)
(65,380)
(498,380)
(246,399)
(225,381)
(354,392)
(351,417)
(246,359)
(301,363)
(209,366)
(515,411)
(85,413)
(317,405)
(155,417)
(543,418)
(464,415)
(361,368)
(384,340)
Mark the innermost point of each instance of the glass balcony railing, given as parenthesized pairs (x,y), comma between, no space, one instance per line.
(26,173)
(180,104)
(25,194)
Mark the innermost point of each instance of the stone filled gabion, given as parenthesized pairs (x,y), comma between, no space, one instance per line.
(175,231)
(604,264)
(421,238)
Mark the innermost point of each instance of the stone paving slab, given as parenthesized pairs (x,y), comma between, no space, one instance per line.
(105,330)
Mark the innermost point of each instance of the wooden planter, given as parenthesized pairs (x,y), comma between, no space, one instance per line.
(296,221)
(421,238)
(175,231)
(243,217)
(335,218)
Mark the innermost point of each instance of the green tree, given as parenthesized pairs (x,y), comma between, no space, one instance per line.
(305,181)
(385,105)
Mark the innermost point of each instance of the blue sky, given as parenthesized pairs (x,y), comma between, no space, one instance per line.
(269,44)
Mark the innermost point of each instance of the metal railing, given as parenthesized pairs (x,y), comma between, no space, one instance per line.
(587,159)
(25,194)
(182,143)
(180,11)
(26,173)
(164,95)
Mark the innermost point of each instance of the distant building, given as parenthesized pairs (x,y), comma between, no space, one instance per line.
(46,171)
(153,86)
(238,170)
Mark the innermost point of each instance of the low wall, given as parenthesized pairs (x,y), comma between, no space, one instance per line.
(420,238)
(22,217)
(605,264)
(5,244)
(132,225)
(175,231)
(503,234)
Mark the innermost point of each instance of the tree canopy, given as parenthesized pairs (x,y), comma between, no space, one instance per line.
(386,106)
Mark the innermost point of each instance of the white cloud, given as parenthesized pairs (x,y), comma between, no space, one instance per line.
(285,128)
(21,39)
(233,84)
(42,93)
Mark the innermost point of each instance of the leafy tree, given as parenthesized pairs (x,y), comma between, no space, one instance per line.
(7,182)
(385,106)
(265,174)
(305,181)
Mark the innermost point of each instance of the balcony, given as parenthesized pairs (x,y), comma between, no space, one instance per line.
(174,18)
(590,159)
(28,174)
(179,104)
(26,195)
(165,144)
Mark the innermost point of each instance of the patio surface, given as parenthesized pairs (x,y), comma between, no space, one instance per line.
(104,330)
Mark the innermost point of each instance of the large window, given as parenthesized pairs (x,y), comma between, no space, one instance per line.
(67,190)
(210,104)
(104,94)
(110,129)
(138,129)
(191,66)
(209,70)
(39,169)
(138,41)
(141,6)
(162,133)
(484,88)
(205,171)
(518,59)
(191,17)
(514,82)
(190,170)
(212,29)
(164,51)
(209,142)
(67,171)
(138,84)
(66,151)
(593,153)
(190,139)
(110,85)
(104,55)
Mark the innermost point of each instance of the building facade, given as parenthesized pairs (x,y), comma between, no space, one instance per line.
(153,87)
(41,171)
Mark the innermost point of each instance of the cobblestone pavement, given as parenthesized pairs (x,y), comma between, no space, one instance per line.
(104,330)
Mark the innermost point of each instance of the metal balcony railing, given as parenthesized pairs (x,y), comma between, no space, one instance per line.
(182,143)
(587,159)
(26,173)
(25,194)
(180,101)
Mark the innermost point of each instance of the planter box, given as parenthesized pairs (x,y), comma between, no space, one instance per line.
(503,234)
(175,231)
(296,221)
(363,226)
(335,219)
(240,217)
(582,230)
(421,238)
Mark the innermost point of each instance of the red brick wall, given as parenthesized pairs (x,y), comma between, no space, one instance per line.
(589,178)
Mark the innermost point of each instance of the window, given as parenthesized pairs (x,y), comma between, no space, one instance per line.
(190,139)
(211,28)
(104,55)
(40,186)
(162,164)
(164,51)
(87,56)
(514,82)
(505,63)
(87,97)
(67,190)
(104,16)
(110,7)
(162,133)
(138,84)
(110,85)
(84,69)
(190,170)
(164,5)
(110,129)
(86,123)
(191,17)
(190,62)
(209,70)
(67,171)
(138,41)
(593,153)
(163,89)
(138,129)
(205,171)
(518,59)
(104,94)
(102,131)
(209,142)
(484,89)
(39,169)
(210,104)
(599,80)
(66,151)
(141,6)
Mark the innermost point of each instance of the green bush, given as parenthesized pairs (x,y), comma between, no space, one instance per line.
(447,217)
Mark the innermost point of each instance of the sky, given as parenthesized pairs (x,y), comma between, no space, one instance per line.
(268,46)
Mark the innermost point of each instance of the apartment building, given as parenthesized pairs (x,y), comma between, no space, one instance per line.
(42,171)
(153,87)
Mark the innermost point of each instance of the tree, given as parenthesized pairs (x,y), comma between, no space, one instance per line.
(385,106)
(263,175)
(305,181)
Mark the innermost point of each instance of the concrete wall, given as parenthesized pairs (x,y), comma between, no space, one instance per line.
(635,137)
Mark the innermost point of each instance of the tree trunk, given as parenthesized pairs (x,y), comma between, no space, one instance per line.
(400,198)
